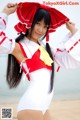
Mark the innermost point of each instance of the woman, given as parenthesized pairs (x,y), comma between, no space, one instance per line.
(28,54)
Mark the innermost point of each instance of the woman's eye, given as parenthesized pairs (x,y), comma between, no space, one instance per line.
(38,23)
(46,26)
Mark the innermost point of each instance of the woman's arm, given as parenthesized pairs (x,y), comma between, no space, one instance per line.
(10,8)
(72,46)
(69,57)
(7,45)
(71,27)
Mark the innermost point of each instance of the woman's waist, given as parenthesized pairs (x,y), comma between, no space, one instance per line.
(43,73)
(41,76)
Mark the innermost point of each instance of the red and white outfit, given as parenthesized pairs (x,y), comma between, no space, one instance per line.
(36,96)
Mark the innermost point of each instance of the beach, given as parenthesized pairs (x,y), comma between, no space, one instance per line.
(60,110)
(65,110)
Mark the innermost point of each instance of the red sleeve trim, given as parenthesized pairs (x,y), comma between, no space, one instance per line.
(58,69)
(73,45)
(2,33)
(2,40)
(59,50)
(22,50)
(27,74)
(3,20)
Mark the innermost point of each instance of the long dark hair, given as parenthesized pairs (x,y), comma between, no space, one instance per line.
(13,70)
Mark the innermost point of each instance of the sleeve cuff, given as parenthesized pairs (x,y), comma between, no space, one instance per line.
(3,15)
(73,46)
(3,21)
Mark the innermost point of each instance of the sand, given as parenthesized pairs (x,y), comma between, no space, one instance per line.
(60,110)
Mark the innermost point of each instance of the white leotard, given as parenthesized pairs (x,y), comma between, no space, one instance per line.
(37,96)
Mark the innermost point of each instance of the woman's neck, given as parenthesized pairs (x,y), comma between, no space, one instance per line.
(31,39)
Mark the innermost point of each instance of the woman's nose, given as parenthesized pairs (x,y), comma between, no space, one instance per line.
(41,29)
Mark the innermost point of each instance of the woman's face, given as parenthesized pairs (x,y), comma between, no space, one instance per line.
(39,30)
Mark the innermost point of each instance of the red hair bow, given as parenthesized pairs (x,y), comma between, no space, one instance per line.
(27,10)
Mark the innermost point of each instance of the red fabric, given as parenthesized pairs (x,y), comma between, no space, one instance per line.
(3,20)
(47,37)
(27,74)
(27,10)
(3,40)
(76,43)
(2,33)
(39,64)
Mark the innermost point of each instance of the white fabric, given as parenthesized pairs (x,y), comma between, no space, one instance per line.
(36,96)
(2,25)
(30,46)
(64,59)
(7,46)
(75,52)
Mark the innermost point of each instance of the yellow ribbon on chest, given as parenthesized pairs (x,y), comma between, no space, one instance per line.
(44,56)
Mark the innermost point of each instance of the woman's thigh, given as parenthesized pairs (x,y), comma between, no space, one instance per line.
(47,115)
(30,115)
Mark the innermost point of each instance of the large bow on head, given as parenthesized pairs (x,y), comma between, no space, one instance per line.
(27,10)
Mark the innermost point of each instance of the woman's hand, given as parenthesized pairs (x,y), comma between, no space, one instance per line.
(71,27)
(10,8)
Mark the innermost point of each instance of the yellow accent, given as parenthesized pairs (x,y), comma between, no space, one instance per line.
(44,56)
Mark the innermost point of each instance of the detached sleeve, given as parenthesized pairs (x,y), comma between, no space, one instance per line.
(3,21)
(63,56)
(6,45)
(73,46)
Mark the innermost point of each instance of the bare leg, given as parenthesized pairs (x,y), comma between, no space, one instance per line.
(30,115)
(47,115)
